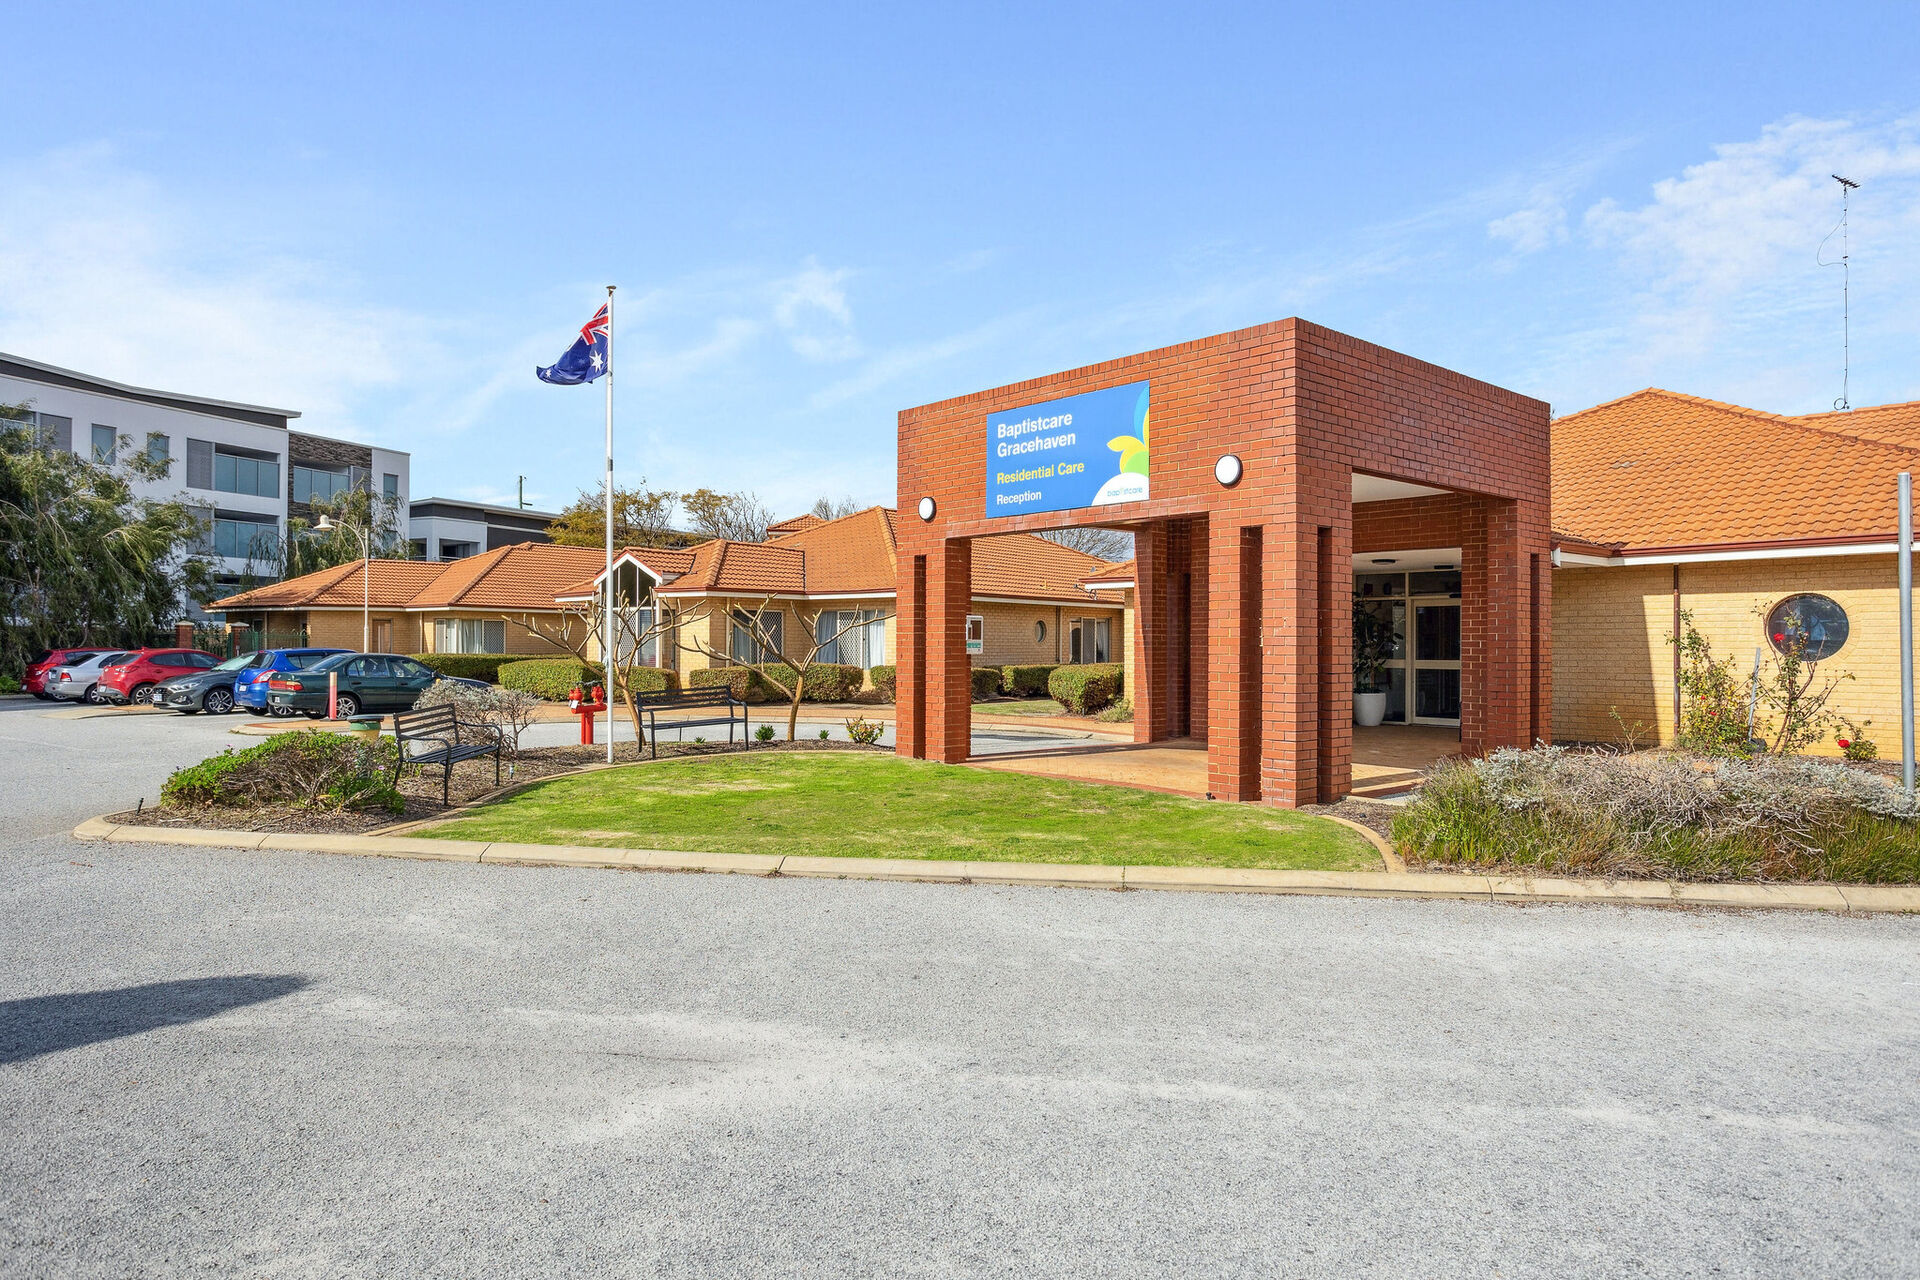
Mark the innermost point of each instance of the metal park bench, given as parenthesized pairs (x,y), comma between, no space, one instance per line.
(652,705)
(453,740)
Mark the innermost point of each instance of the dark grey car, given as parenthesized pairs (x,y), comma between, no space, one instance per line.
(210,691)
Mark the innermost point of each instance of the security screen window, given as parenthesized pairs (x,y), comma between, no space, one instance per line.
(470,635)
(745,647)
(1091,640)
(858,636)
(1815,624)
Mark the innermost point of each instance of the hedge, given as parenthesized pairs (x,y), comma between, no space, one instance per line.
(554,678)
(1025,682)
(473,666)
(986,682)
(1087,687)
(883,678)
(826,682)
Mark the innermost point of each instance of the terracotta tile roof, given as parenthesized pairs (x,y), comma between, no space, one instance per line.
(795,524)
(1886,423)
(1122,572)
(665,563)
(1657,469)
(1026,566)
(855,553)
(389,584)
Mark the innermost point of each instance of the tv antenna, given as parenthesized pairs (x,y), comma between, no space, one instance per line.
(1847,187)
(523,493)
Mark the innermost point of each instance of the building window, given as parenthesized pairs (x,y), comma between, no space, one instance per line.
(470,635)
(1813,626)
(245,473)
(635,623)
(855,637)
(390,486)
(159,447)
(104,444)
(319,484)
(242,539)
(1040,633)
(745,646)
(1090,640)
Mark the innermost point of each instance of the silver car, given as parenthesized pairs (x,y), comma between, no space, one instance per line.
(80,681)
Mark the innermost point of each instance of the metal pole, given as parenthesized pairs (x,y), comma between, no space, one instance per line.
(1906,632)
(366,591)
(607,655)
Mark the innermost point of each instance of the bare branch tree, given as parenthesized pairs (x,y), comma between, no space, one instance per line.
(578,632)
(827,509)
(738,517)
(1108,544)
(786,672)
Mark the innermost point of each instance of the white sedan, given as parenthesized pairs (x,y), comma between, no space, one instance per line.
(80,681)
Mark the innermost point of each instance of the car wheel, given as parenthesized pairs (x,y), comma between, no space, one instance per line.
(347,706)
(93,695)
(142,695)
(218,702)
(281,713)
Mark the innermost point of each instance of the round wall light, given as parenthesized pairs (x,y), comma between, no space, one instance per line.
(927,508)
(1228,470)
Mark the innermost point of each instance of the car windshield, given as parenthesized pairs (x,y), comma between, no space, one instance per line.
(236,664)
(113,659)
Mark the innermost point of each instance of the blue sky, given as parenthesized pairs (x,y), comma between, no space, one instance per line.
(817,219)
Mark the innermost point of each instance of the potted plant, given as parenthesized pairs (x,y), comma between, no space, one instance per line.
(1372,650)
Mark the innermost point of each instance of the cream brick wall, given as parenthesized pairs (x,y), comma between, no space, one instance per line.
(1610,627)
(341,629)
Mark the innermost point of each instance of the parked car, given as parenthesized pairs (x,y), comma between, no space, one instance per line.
(367,681)
(46,661)
(250,686)
(210,691)
(131,680)
(80,681)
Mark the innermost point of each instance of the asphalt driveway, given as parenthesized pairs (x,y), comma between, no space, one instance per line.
(295,1064)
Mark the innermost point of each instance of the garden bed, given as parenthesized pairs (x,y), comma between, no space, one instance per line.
(420,789)
(1662,815)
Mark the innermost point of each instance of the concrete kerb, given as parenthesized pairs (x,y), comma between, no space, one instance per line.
(1365,884)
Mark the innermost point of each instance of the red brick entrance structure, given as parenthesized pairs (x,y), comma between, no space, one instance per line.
(1243,632)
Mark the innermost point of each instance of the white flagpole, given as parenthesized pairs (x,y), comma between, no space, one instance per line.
(608,654)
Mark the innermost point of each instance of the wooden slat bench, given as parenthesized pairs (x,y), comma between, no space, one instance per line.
(694,701)
(453,740)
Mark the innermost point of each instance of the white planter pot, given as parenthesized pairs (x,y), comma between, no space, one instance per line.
(1369,709)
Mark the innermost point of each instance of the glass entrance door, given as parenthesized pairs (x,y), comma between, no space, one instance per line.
(1422,610)
(1436,663)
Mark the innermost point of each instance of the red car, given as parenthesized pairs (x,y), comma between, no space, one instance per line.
(42,666)
(133,680)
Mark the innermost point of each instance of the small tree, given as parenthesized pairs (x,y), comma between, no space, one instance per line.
(1106,544)
(737,517)
(1795,695)
(827,509)
(1373,643)
(785,672)
(642,517)
(508,710)
(578,632)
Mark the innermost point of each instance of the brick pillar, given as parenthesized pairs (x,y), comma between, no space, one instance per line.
(910,659)
(1233,670)
(183,635)
(1306,614)
(1199,637)
(1499,691)
(1150,633)
(949,716)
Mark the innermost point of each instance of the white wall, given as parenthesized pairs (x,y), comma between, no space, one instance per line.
(392,462)
(134,420)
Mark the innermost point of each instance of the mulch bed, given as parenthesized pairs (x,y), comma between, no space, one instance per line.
(1370,814)
(421,789)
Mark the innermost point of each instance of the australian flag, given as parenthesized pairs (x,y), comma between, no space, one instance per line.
(585,360)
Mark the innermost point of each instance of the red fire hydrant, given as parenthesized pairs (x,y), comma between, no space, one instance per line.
(587,707)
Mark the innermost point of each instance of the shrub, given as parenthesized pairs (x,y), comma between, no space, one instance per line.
(1086,687)
(1858,749)
(864,731)
(1667,814)
(509,711)
(309,769)
(883,678)
(9,685)
(764,733)
(830,681)
(473,666)
(746,683)
(986,682)
(1121,712)
(1025,682)
(554,678)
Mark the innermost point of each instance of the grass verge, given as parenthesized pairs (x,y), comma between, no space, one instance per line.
(1019,707)
(870,805)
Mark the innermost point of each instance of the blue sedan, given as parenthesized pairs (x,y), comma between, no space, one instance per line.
(250,687)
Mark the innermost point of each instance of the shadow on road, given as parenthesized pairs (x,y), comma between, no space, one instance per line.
(48,1024)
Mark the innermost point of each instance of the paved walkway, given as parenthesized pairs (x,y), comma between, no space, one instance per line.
(1386,760)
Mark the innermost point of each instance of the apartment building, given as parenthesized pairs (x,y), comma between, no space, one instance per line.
(453,529)
(243,463)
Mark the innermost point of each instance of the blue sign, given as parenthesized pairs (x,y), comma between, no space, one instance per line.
(1088,450)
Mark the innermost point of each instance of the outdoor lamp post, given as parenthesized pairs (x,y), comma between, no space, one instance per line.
(327,525)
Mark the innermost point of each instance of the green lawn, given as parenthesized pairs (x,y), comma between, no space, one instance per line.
(1020,707)
(846,804)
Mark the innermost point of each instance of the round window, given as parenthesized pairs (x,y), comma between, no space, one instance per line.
(1814,625)
(1039,633)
